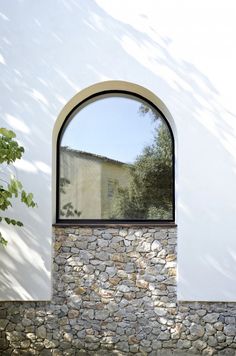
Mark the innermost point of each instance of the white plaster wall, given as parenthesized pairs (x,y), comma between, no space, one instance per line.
(184,52)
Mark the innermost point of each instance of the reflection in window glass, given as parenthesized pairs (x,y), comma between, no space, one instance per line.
(116,162)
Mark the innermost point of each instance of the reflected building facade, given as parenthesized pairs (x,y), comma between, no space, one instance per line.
(88,184)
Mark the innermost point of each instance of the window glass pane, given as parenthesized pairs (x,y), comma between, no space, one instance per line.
(116,162)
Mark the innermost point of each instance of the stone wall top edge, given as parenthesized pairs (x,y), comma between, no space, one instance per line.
(78,225)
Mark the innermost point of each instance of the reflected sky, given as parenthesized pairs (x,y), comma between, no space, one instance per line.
(112,127)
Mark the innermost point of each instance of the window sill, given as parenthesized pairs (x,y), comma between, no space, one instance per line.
(114,225)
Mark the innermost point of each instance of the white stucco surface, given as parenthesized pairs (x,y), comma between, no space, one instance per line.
(184,52)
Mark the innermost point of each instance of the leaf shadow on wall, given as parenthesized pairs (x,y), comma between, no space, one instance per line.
(57,63)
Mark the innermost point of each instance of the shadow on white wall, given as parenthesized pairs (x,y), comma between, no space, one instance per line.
(48,52)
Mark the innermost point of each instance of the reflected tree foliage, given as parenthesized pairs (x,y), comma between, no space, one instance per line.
(149,194)
(67,210)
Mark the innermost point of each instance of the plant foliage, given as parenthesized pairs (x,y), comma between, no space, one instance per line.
(11,188)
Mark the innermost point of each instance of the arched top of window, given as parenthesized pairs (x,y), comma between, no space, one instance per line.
(115,162)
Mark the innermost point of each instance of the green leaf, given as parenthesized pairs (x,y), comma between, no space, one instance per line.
(24,197)
(7,133)
(29,199)
(8,221)
(3,242)
(19,184)
(13,187)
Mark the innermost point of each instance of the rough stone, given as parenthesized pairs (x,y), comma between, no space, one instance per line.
(196,330)
(41,332)
(88,313)
(200,345)
(103,256)
(170,281)
(141,283)
(103,276)
(3,324)
(123,288)
(211,318)
(160,311)
(3,344)
(156,246)
(101,314)
(116,257)
(144,247)
(212,341)
(114,281)
(123,346)
(230,330)
(115,293)
(164,335)
(73,313)
(25,344)
(183,344)
(111,271)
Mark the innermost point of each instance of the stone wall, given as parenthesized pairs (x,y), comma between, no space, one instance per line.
(114,293)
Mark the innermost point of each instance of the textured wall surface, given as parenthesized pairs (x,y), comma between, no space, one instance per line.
(114,292)
(184,53)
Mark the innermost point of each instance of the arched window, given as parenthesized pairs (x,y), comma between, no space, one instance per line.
(115,162)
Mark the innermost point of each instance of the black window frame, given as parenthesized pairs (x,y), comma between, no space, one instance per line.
(106,222)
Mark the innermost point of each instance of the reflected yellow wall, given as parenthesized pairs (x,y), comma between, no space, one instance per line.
(90,180)
(84,188)
(117,174)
